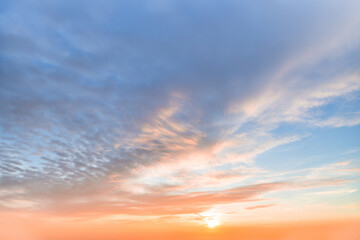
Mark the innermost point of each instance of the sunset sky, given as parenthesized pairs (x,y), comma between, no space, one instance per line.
(180,119)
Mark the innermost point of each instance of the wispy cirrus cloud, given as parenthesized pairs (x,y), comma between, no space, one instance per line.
(170,105)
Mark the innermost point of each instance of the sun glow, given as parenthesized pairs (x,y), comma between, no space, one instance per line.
(212,222)
(211,218)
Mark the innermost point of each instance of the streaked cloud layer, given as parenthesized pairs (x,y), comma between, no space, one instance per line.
(168,110)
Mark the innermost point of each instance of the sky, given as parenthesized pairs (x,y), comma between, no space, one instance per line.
(208,118)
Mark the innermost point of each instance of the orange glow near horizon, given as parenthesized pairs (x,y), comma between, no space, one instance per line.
(13,227)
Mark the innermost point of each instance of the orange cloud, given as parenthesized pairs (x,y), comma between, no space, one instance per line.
(162,203)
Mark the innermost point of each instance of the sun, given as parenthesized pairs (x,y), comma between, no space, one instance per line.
(212,222)
(211,218)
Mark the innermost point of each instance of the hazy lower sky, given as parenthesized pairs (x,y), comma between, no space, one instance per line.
(180,112)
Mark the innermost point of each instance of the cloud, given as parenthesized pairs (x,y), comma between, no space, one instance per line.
(117,98)
(161,203)
(344,191)
(260,206)
(339,122)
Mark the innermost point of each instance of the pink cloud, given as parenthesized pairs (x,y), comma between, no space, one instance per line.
(260,206)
